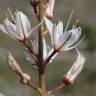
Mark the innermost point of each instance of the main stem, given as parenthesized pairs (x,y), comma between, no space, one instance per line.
(40,43)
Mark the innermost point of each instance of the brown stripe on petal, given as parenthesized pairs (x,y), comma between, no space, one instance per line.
(23,39)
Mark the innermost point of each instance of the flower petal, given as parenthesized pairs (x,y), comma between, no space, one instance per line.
(76,67)
(30,58)
(35,46)
(10,29)
(60,27)
(63,39)
(49,25)
(52,30)
(22,24)
(76,32)
(57,32)
(2,28)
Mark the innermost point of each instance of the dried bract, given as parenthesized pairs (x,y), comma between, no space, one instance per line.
(75,69)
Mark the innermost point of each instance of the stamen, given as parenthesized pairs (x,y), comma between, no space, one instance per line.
(77,22)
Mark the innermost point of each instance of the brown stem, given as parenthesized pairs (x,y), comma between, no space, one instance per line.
(29,47)
(58,88)
(48,59)
(40,49)
(35,88)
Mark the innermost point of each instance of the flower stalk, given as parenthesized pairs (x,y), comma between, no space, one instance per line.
(38,52)
(40,48)
(57,89)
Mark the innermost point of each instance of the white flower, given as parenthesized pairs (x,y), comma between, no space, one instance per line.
(49,8)
(75,69)
(62,41)
(20,29)
(46,53)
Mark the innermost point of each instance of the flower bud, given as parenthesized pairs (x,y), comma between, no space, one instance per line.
(34,3)
(49,9)
(25,79)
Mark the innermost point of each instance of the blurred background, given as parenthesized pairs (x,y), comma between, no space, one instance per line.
(85,84)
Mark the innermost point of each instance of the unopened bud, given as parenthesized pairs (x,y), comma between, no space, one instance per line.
(25,78)
(34,3)
(49,9)
(14,65)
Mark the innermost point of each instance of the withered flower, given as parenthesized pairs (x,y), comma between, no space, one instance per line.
(24,77)
(75,69)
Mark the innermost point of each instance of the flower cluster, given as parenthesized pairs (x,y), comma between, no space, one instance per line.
(61,40)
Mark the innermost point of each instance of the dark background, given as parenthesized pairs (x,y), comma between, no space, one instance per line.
(85,84)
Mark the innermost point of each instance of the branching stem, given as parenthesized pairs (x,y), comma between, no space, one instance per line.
(35,88)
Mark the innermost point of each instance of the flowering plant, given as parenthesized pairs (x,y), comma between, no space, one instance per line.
(38,52)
